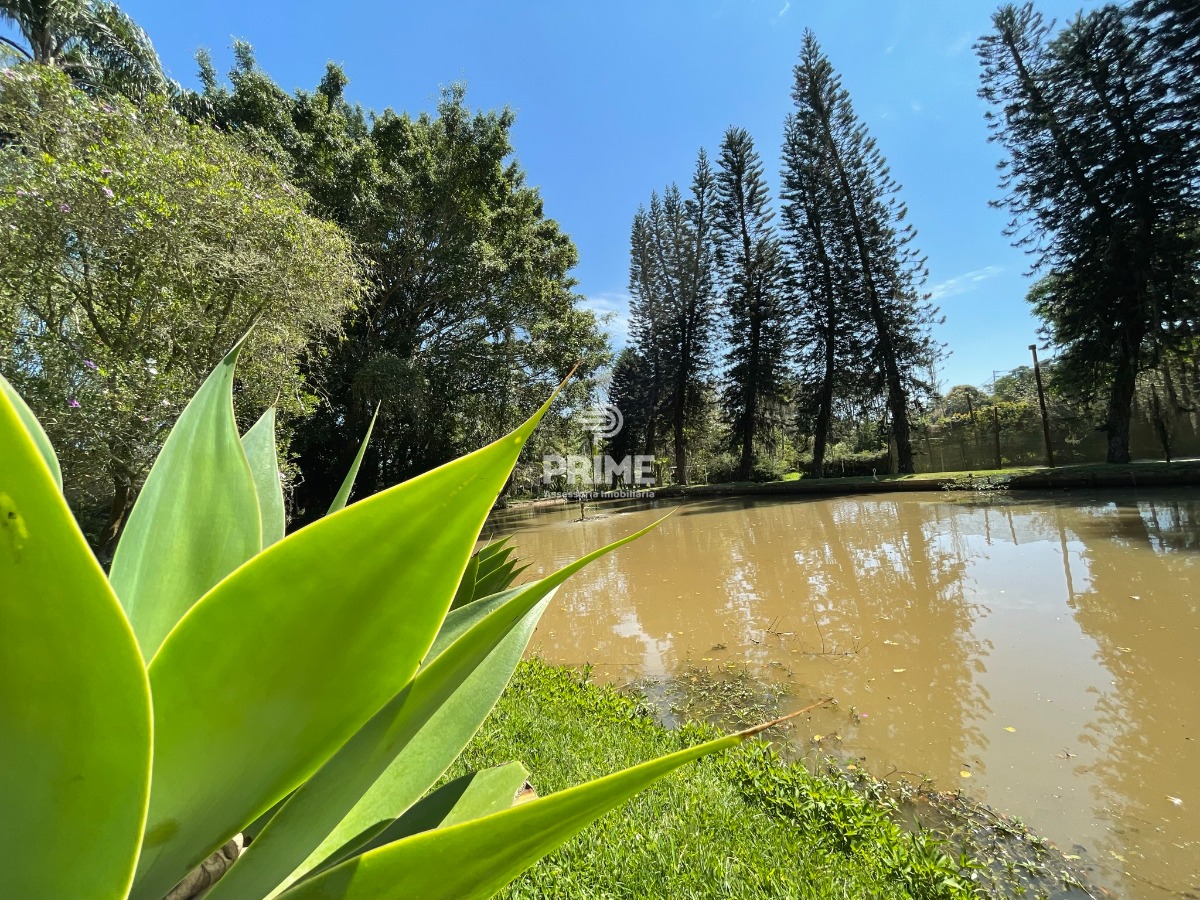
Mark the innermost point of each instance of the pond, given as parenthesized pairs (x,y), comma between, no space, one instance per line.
(1041,653)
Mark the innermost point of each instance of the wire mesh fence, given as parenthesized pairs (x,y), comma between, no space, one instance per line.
(997,438)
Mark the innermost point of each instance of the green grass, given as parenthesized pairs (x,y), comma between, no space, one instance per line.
(741,825)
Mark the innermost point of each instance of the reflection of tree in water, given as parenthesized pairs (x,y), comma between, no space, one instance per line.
(896,570)
(1141,608)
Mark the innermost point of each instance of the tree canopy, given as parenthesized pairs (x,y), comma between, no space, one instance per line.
(469,315)
(135,250)
(1101,178)
(96,43)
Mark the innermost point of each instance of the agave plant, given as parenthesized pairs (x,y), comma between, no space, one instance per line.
(226,680)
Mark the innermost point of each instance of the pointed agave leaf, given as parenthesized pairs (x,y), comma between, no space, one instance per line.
(74,699)
(410,742)
(34,428)
(475,859)
(492,557)
(489,572)
(283,661)
(493,547)
(343,494)
(498,579)
(195,520)
(261,453)
(471,796)
(466,586)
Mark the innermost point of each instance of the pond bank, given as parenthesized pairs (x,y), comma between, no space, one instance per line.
(1033,478)
(741,825)
(1091,475)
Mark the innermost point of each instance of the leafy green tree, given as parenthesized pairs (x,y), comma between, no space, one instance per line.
(470,313)
(1018,385)
(752,276)
(835,175)
(965,400)
(135,249)
(1169,393)
(92,40)
(1101,182)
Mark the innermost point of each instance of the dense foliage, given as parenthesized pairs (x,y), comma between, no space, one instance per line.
(134,248)
(469,313)
(1103,179)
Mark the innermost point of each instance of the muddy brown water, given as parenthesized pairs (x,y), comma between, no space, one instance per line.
(1040,653)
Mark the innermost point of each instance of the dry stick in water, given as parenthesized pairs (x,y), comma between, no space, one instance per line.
(759,729)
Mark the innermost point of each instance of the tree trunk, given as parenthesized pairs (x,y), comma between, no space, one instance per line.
(680,411)
(1120,408)
(681,476)
(1161,426)
(824,411)
(122,502)
(901,432)
(746,463)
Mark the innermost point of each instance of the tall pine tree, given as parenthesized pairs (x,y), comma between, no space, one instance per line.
(829,330)
(647,323)
(1173,28)
(1100,178)
(752,278)
(672,302)
(846,228)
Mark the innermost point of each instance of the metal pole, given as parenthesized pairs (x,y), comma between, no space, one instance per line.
(996,427)
(1037,375)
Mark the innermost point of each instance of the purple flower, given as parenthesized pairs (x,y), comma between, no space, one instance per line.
(106,171)
(21,193)
(63,207)
(89,364)
(73,403)
(108,193)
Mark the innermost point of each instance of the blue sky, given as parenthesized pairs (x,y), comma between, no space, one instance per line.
(614,99)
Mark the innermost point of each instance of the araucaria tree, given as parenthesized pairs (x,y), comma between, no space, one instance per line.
(752,280)
(830,330)
(860,275)
(671,303)
(1101,180)
(1173,28)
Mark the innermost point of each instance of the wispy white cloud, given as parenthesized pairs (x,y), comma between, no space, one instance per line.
(916,107)
(963,284)
(612,308)
(963,42)
(787,4)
